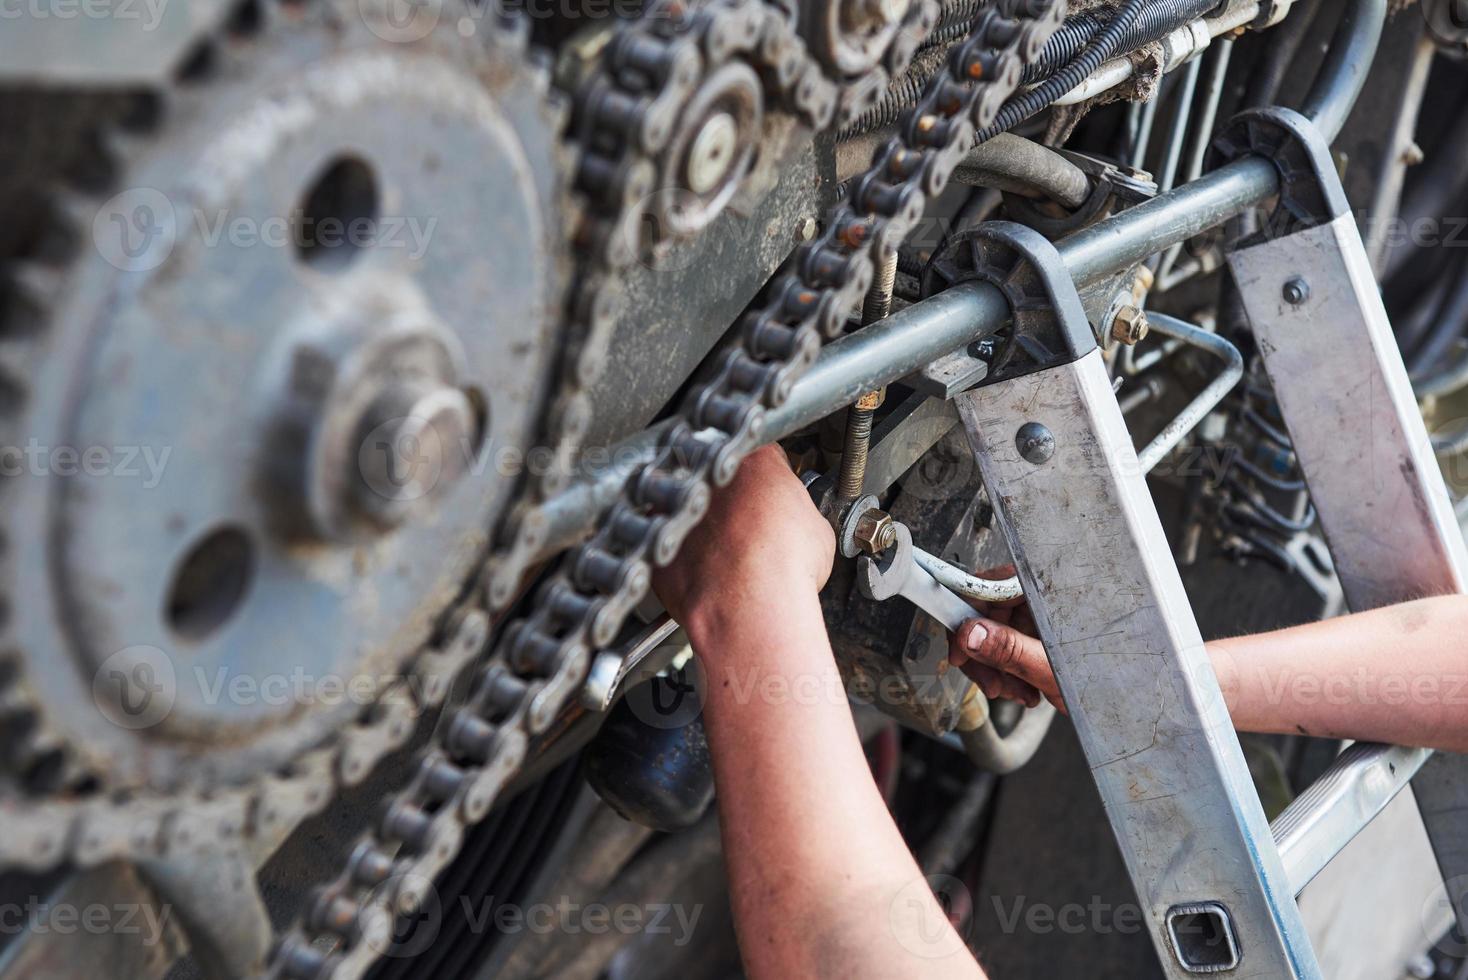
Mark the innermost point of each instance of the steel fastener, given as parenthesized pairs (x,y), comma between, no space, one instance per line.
(1035,442)
(1130,325)
(1296,291)
(875,532)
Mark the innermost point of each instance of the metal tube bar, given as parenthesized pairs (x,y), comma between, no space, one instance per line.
(1338,806)
(1199,407)
(1141,231)
(913,337)
(1202,138)
(1179,133)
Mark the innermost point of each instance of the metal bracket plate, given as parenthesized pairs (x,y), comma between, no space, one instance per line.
(1111,609)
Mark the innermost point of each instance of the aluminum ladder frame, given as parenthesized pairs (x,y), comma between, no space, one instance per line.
(1216,882)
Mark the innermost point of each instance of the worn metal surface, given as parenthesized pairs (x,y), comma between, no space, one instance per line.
(1352,416)
(1321,821)
(682,296)
(113,42)
(140,937)
(197,325)
(1364,451)
(1110,606)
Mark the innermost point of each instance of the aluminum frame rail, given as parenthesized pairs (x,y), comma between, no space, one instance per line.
(1347,403)
(1071,497)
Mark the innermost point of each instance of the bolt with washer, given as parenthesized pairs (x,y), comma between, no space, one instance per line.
(875,532)
(1129,325)
(1296,291)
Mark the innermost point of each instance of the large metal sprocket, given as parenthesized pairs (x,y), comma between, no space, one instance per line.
(203,339)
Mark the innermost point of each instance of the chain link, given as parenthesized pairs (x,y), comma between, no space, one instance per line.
(541,658)
(624,115)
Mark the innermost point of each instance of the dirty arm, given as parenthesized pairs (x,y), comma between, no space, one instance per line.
(1397,674)
(822,882)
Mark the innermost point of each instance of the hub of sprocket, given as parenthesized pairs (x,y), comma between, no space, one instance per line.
(282,390)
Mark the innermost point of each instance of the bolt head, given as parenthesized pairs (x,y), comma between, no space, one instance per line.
(413,447)
(1035,443)
(875,532)
(807,229)
(712,154)
(1130,325)
(1296,291)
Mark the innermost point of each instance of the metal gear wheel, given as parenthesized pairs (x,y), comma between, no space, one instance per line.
(266,410)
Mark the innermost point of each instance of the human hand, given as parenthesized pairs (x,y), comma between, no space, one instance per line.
(762,544)
(1001,652)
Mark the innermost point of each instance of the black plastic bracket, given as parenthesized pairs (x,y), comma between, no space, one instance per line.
(1048,325)
(1310,189)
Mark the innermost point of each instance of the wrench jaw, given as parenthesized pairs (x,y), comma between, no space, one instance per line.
(885,576)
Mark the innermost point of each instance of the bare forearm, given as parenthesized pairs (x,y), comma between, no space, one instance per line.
(822,882)
(1398,675)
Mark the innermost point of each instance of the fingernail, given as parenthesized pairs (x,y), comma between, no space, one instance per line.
(975,636)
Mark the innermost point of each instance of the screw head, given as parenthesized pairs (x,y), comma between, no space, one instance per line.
(1035,443)
(1130,325)
(1296,291)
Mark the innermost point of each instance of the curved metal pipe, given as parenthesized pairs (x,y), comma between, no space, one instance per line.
(968,586)
(1210,396)
(1005,753)
(1347,63)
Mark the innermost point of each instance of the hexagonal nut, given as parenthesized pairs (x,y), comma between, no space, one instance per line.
(875,532)
(1129,326)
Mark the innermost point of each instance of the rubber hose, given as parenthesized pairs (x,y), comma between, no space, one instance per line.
(1158,20)
(1347,62)
(1448,327)
(1015,164)
(1104,46)
(1284,44)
